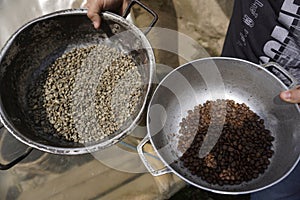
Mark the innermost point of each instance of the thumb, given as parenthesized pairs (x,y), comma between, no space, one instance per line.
(95,18)
(93,13)
(291,96)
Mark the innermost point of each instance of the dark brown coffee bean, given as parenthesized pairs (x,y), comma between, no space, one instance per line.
(230,149)
(240,147)
(242,151)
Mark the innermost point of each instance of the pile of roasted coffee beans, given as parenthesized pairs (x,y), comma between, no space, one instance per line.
(242,151)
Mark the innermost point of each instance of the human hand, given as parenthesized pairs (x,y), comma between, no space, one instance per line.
(96,6)
(291,96)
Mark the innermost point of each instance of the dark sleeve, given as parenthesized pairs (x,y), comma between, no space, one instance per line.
(249,29)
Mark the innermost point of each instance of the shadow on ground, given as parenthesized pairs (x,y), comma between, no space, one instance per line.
(193,193)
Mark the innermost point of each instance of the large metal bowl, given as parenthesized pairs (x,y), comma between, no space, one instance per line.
(214,78)
(35,45)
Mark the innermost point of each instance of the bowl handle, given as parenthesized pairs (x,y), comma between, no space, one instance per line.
(147,164)
(16,160)
(155,16)
(285,73)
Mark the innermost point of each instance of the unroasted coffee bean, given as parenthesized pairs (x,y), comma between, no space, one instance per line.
(243,149)
(86,94)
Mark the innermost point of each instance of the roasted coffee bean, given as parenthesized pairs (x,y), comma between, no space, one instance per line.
(243,149)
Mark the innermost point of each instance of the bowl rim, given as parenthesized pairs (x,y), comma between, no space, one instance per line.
(163,160)
(102,144)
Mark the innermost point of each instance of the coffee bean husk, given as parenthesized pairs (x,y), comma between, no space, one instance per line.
(242,152)
(86,94)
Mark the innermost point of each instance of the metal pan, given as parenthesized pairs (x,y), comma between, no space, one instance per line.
(214,78)
(35,45)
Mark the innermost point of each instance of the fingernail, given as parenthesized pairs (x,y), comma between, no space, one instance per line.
(286,95)
(96,24)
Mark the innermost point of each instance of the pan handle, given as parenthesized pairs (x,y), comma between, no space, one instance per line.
(155,16)
(154,172)
(285,73)
(16,160)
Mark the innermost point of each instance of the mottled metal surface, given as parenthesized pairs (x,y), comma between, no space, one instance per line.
(15,13)
(48,176)
(37,44)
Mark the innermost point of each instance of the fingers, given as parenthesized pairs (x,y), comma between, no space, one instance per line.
(124,6)
(97,6)
(291,96)
(94,8)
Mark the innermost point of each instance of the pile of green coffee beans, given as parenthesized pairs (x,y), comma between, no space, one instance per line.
(86,95)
